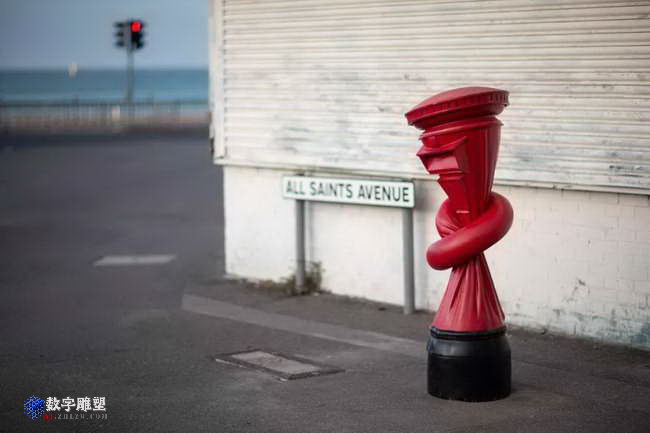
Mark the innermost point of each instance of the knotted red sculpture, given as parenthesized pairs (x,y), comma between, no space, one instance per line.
(469,356)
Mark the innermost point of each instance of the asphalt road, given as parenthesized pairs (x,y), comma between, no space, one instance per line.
(145,336)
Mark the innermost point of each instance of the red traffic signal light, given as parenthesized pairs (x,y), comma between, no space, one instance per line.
(136,26)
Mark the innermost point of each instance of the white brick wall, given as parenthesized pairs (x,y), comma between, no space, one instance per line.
(592,260)
(574,262)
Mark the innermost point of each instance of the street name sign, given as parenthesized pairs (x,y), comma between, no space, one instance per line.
(357,191)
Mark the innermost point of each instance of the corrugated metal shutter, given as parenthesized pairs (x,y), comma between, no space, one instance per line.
(309,83)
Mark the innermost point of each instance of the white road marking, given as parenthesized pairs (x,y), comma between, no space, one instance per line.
(149,259)
(356,337)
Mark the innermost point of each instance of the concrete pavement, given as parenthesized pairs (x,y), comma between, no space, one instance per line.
(145,335)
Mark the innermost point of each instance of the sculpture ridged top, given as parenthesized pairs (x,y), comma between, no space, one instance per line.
(460,144)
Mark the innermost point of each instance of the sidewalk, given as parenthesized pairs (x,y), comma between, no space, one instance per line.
(560,384)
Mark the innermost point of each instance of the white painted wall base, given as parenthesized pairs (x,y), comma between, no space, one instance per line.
(574,262)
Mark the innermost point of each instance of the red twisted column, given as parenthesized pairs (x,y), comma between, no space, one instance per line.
(460,144)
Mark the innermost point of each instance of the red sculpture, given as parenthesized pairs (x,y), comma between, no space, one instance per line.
(461,144)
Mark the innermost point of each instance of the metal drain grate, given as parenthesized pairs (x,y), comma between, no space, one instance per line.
(282,366)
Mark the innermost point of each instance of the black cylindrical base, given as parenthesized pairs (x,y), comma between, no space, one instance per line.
(469,366)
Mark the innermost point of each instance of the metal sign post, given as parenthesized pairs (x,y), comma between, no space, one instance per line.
(407,252)
(301,272)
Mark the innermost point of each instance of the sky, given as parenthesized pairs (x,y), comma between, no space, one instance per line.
(51,34)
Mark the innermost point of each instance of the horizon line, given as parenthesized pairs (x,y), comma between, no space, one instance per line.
(96,68)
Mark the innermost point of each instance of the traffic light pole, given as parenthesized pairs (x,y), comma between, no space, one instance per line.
(130,36)
(130,79)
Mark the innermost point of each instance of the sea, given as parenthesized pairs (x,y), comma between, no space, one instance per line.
(102,85)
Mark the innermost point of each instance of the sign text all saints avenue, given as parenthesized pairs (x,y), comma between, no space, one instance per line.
(359,191)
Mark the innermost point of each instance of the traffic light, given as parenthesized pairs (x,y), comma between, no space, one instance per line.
(136,28)
(120,34)
(129,34)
